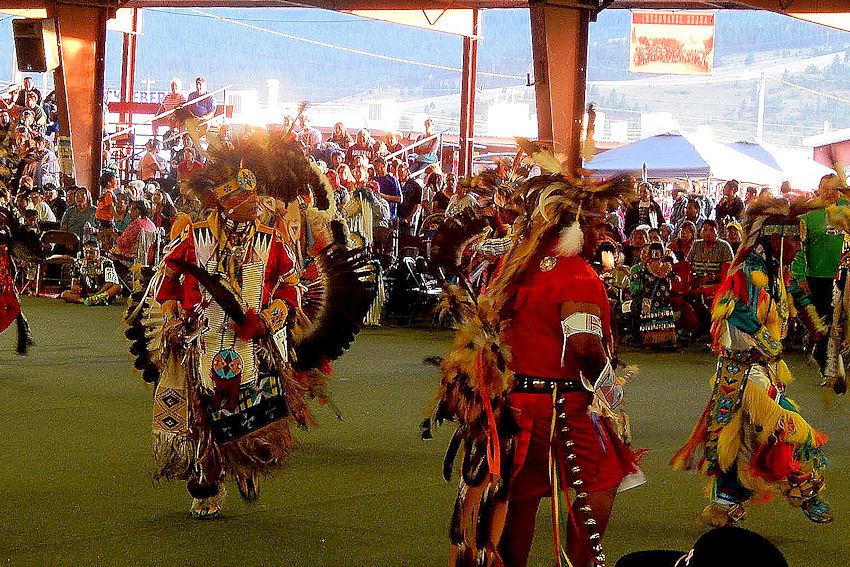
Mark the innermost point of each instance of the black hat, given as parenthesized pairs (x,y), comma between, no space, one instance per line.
(729,547)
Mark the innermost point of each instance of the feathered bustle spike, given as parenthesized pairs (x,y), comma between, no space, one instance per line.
(24,336)
(453,235)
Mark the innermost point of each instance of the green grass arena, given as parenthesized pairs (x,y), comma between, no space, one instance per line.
(365,491)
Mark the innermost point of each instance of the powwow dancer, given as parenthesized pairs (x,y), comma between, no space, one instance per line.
(530,379)
(16,241)
(751,439)
(222,331)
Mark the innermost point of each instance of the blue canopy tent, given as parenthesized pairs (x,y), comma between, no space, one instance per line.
(674,155)
(800,171)
(668,155)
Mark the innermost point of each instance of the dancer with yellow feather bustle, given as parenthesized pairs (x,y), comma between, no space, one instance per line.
(531,380)
(751,439)
(224,332)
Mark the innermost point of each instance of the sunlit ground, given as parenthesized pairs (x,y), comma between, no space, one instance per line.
(365,491)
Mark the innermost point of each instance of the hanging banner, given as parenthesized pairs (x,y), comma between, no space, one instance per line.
(65,155)
(457,22)
(678,43)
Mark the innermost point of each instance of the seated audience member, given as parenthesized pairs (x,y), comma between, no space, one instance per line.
(28,270)
(152,166)
(94,280)
(123,218)
(461,199)
(341,138)
(171,101)
(43,210)
(666,231)
(751,196)
(734,234)
(392,140)
(682,244)
(56,199)
(188,165)
(726,547)
(434,183)
(441,198)
(79,219)
(708,255)
(223,138)
(126,250)
(309,136)
(632,249)
(346,177)
(650,286)
(162,210)
(189,204)
(693,213)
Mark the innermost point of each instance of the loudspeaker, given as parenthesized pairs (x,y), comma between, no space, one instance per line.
(35,45)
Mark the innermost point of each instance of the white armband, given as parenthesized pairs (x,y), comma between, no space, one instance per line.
(579,323)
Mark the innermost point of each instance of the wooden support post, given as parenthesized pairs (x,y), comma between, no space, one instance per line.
(466,136)
(79,82)
(559,50)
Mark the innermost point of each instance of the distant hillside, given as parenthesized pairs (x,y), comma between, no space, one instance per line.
(188,43)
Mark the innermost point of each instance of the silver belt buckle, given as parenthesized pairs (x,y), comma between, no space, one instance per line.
(538,384)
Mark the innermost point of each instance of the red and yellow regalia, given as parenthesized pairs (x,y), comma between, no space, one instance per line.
(531,381)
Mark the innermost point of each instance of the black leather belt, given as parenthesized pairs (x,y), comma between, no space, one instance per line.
(536,385)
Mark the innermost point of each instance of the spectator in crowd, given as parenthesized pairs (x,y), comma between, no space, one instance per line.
(392,139)
(94,280)
(440,200)
(309,136)
(187,203)
(27,88)
(43,211)
(461,199)
(682,244)
(126,250)
(346,177)
(341,194)
(411,201)
(363,147)
(48,165)
(666,231)
(201,109)
(650,284)
(39,116)
(105,211)
(637,240)
(186,143)
(162,211)
(426,152)
(730,207)
(765,192)
(173,100)
(152,166)
(223,138)
(708,255)
(79,219)
(122,213)
(56,199)
(337,159)
(643,210)
(816,264)
(734,234)
(785,189)
(188,165)
(389,187)
(341,137)
(693,212)
(680,201)
(751,196)
(7,128)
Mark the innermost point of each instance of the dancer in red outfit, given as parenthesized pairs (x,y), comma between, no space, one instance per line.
(531,381)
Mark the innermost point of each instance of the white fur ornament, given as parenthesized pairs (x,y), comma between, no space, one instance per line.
(570,241)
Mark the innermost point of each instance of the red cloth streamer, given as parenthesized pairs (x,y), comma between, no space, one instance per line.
(494,458)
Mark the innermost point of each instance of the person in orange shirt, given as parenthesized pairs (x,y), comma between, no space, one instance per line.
(105,213)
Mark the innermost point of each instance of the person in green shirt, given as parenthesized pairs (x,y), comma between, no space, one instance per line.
(816,264)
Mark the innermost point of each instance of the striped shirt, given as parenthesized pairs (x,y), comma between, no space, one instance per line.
(706,259)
